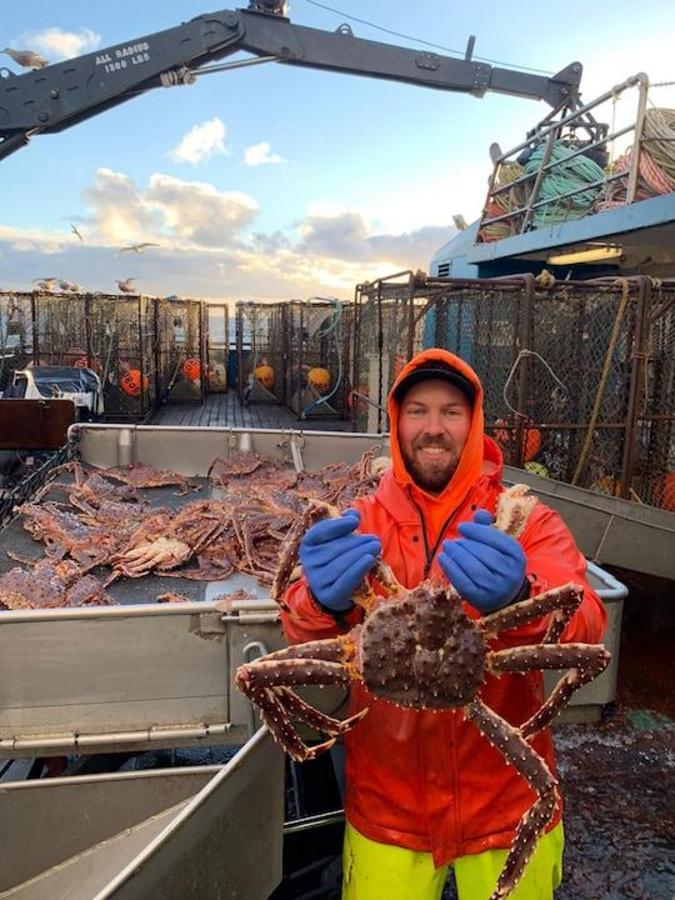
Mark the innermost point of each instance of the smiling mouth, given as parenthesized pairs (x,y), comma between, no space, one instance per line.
(434,452)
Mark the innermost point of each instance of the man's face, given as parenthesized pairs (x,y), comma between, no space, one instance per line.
(433,427)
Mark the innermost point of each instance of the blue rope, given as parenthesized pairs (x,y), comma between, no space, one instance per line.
(334,327)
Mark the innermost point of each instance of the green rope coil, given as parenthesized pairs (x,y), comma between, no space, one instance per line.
(567,176)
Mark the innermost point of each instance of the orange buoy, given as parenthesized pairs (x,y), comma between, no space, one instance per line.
(264,375)
(319,378)
(192,369)
(665,492)
(506,438)
(131,383)
(608,484)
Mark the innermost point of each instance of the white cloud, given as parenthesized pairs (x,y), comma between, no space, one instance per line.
(260,155)
(198,212)
(118,212)
(207,246)
(201,143)
(169,211)
(57,44)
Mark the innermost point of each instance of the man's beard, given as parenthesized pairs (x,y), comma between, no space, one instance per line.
(432,477)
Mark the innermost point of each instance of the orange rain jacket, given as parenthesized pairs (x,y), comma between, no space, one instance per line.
(430,781)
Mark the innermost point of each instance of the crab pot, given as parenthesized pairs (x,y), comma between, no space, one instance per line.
(319,354)
(60,329)
(121,337)
(16,335)
(381,347)
(180,351)
(217,347)
(262,351)
(578,376)
(194,832)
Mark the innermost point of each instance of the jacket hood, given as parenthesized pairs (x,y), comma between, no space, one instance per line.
(470,465)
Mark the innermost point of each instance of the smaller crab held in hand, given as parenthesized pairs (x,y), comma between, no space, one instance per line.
(419,649)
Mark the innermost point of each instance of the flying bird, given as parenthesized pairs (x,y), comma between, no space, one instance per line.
(127,286)
(138,248)
(76,231)
(28,59)
(45,284)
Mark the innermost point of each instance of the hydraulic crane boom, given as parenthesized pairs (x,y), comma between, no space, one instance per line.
(61,95)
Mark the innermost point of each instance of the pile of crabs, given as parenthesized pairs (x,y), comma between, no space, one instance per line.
(99,525)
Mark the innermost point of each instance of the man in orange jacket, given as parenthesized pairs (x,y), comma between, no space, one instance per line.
(425,789)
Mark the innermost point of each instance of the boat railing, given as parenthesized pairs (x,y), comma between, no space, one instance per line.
(555,174)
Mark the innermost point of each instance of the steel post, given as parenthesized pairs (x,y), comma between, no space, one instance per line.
(638,360)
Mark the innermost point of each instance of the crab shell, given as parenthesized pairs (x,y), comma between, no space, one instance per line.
(423,651)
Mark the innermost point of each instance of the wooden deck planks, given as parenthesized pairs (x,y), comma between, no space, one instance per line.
(226,411)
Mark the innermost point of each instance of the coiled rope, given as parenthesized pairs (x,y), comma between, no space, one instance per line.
(656,176)
(659,134)
(569,175)
(503,202)
(656,165)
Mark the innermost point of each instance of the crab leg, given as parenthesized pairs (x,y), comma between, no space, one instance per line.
(305,712)
(561,601)
(275,716)
(266,673)
(279,706)
(585,662)
(288,558)
(532,767)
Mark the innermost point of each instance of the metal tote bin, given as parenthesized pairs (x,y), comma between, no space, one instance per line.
(586,704)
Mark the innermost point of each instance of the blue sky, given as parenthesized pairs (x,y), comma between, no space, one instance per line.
(272,182)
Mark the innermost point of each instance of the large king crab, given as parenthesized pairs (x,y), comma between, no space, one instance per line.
(418,648)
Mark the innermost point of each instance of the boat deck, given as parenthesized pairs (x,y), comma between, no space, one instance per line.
(226,410)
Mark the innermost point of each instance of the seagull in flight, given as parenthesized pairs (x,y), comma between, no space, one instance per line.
(27,59)
(138,248)
(127,286)
(76,231)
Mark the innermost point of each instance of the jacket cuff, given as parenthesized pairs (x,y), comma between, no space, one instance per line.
(338,615)
(525,591)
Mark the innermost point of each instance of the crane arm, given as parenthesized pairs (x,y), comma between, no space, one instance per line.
(61,95)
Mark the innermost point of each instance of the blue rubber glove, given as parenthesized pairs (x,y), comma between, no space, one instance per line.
(485,565)
(335,561)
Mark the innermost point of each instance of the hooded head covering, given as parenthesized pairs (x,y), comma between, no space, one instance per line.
(440,364)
